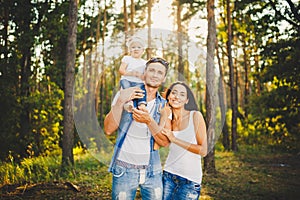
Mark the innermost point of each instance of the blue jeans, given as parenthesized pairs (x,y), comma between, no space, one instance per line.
(126,84)
(127,180)
(179,188)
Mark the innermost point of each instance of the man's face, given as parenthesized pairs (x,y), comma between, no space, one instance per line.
(155,75)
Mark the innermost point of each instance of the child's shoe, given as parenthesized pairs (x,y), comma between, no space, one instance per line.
(128,106)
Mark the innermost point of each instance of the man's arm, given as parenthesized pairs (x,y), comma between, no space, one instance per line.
(112,119)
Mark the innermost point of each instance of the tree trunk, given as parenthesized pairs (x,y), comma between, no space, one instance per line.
(25,27)
(149,49)
(132,13)
(68,136)
(209,160)
(125,25)
(97,63)
(102,83)
(246,69)
(179,40)
(222,99)
(233,99)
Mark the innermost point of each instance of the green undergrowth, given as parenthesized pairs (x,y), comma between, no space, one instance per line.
(251,173)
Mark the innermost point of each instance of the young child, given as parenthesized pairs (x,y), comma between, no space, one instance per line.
(132,70)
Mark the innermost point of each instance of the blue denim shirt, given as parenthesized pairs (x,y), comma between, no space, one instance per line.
(126,120)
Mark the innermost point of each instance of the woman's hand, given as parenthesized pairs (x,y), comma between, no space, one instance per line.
(169,134)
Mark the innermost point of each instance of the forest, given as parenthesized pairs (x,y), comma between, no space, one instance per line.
(59,73)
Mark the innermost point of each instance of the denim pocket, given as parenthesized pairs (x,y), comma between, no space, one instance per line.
(118,171)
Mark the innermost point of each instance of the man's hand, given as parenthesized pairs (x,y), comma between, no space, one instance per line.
(112,119)
(130,94)
(141,115)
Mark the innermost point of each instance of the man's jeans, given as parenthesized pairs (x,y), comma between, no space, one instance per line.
(127,180)
(178,188)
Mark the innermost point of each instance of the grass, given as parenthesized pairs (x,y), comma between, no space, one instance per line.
(251,173)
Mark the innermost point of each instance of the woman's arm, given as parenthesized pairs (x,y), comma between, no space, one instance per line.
(143,116)
(201,137)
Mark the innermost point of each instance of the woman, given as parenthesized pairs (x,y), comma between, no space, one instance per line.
(182,174)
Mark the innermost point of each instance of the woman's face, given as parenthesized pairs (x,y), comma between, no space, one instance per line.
(178,96)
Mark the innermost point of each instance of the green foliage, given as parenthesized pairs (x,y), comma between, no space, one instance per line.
(275,101)
(46,118)
(47,169)
(277,108)
(30,170)
(252,173)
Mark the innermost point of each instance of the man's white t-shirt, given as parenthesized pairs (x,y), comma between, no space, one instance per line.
(136,147)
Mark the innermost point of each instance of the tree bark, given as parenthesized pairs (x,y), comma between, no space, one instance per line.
(179,40)
(149,49)
(246,68)
(97,62)
(222,99)
(132,13)
(125,25)
(102,83)
(209,160)
(232,77)
(68,135)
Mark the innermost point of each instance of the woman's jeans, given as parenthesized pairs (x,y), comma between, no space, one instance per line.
(127,180)
(179,188)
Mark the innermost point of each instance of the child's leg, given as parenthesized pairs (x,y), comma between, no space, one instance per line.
(142,102)
(128,106)
(125,84)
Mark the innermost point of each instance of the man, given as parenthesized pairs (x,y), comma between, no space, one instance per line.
(135,163)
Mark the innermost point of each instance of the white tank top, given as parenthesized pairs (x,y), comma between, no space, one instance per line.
(182,162)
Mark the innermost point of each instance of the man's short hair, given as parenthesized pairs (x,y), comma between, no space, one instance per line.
(158,60)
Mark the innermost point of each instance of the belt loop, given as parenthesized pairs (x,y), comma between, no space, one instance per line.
(142,176)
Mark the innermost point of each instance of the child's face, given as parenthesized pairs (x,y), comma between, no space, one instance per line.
(136,50)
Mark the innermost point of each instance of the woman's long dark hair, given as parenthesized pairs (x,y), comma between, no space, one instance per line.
(191,105)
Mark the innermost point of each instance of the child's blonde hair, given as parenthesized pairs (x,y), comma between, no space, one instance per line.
(135,39)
